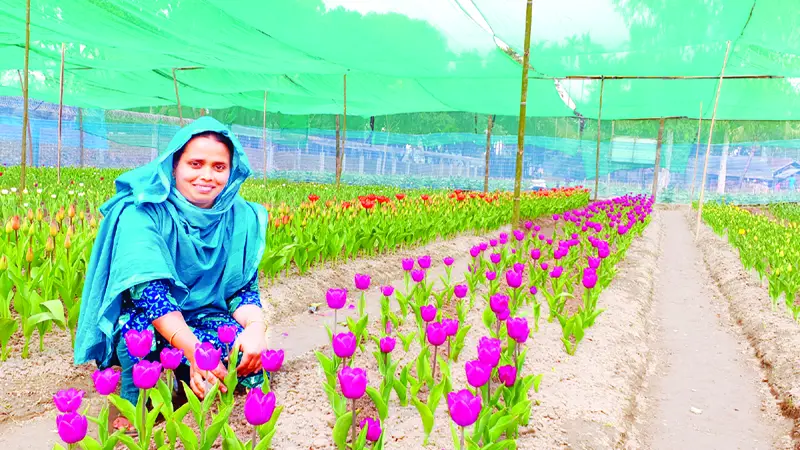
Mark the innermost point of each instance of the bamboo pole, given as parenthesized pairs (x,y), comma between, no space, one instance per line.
(344,135)
(25,94)
(708,148)
(60,114)
(522,111)
(597,155)
(177,96)
(696,153)
(264,137)
(657,165)
(488,152)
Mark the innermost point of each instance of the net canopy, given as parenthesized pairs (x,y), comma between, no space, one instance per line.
(404,56)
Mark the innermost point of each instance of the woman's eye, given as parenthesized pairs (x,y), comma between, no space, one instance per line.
(220,167)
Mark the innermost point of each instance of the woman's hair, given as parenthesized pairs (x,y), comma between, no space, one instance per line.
(218,137)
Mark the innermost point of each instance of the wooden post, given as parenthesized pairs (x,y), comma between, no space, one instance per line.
(696,153)
(264,137)
(25,94)
(344,136)
(338,151)
(522,111)
(80,136)
(597,156)
(177,96)
(60,115)
(708,148)
(657,166)
(488,152)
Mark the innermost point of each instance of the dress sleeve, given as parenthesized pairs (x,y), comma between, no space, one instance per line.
(153,298)
(247,295)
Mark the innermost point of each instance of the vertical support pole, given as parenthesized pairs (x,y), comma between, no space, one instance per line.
(177,96)
(488,152)
(522,111)
(264,137)
(657,165)
(60,115)
(597,155)
(25,95)
(82,160)
(696,153)
(338,151)
(708,148)
(344,137)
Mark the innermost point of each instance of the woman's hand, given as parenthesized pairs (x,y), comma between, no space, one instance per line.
(198,377)
(251,342)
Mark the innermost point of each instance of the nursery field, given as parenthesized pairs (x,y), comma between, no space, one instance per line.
(424,319)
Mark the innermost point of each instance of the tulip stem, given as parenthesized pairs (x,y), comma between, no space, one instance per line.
(335,320)
(143,423)
(353,427)
(433,376)
(462,438)
(255,437)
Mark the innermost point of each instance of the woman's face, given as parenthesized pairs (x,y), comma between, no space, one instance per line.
(202,171)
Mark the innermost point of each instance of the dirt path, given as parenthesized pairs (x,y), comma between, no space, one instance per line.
(707,391)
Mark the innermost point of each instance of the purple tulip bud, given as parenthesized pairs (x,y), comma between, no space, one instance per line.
(537,228)
(533,290)
(518,329)
(387,291)
(478,373)
(146,374)
(353,382)
(272,360)
(507,375)
(464,407)
(68,400)
(549,242)
(450,326)
(483,246)
(514,279)
(493,242)
(474,251)
(259,407)
(489,351)
(373,428)
(428,312)
(542,237)
(105,381)
(362,281)
(417,275)
(528,225)
(495,258)
(536,254)
(387,344)
(139,343)
(602,250)
(460,290)
(513,251)
(408,264)
(556,272)
(555,217)
(336,298)
(594,262)
(519,235)
(491,275)
(589,278)
(436,334)
(498,303)
(344,344)
(424,262)
(448,261)
(227,334)
(171,357)
(519,267)
(71,427)
(206,356)
(560,252)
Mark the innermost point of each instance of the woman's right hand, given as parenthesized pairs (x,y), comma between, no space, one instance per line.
(198,377)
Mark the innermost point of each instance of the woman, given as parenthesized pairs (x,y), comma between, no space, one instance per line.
(177,253)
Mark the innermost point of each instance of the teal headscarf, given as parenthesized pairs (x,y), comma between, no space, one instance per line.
(150,232)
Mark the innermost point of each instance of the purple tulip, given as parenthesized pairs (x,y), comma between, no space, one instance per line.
(542,237)
(495,258)
(344,344)
(105,381)
(507,375)
(474,251)
(537,228)
(408,264)
(206,356)
(424,262)
(450,326)
(258,407)
(146,374)
(489,351)
(448,261)
(387,344)
(533,290)
(491,275)
(555,217)
(493,242)
(227,334)
(556,272)
(519,267)
(549,241)
(353,382)
(272,360)
(528,225)
(139,343)
(589,278)
(519,235)
(544,266)
(518,329)
(464,407)
(417,275)
(498,303)
(436,334)
(362,281)
(68,400)
(536,254)
(560,252)
(503,239)
(602,250)
(171,357)
(71,427)
(460,290)
(483,246)
(478,373)
(373,428)
(387,291)
(594,262)
(514,279)
(428,313)
(336,298)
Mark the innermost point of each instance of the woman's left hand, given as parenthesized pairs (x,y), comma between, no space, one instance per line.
(251,342)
